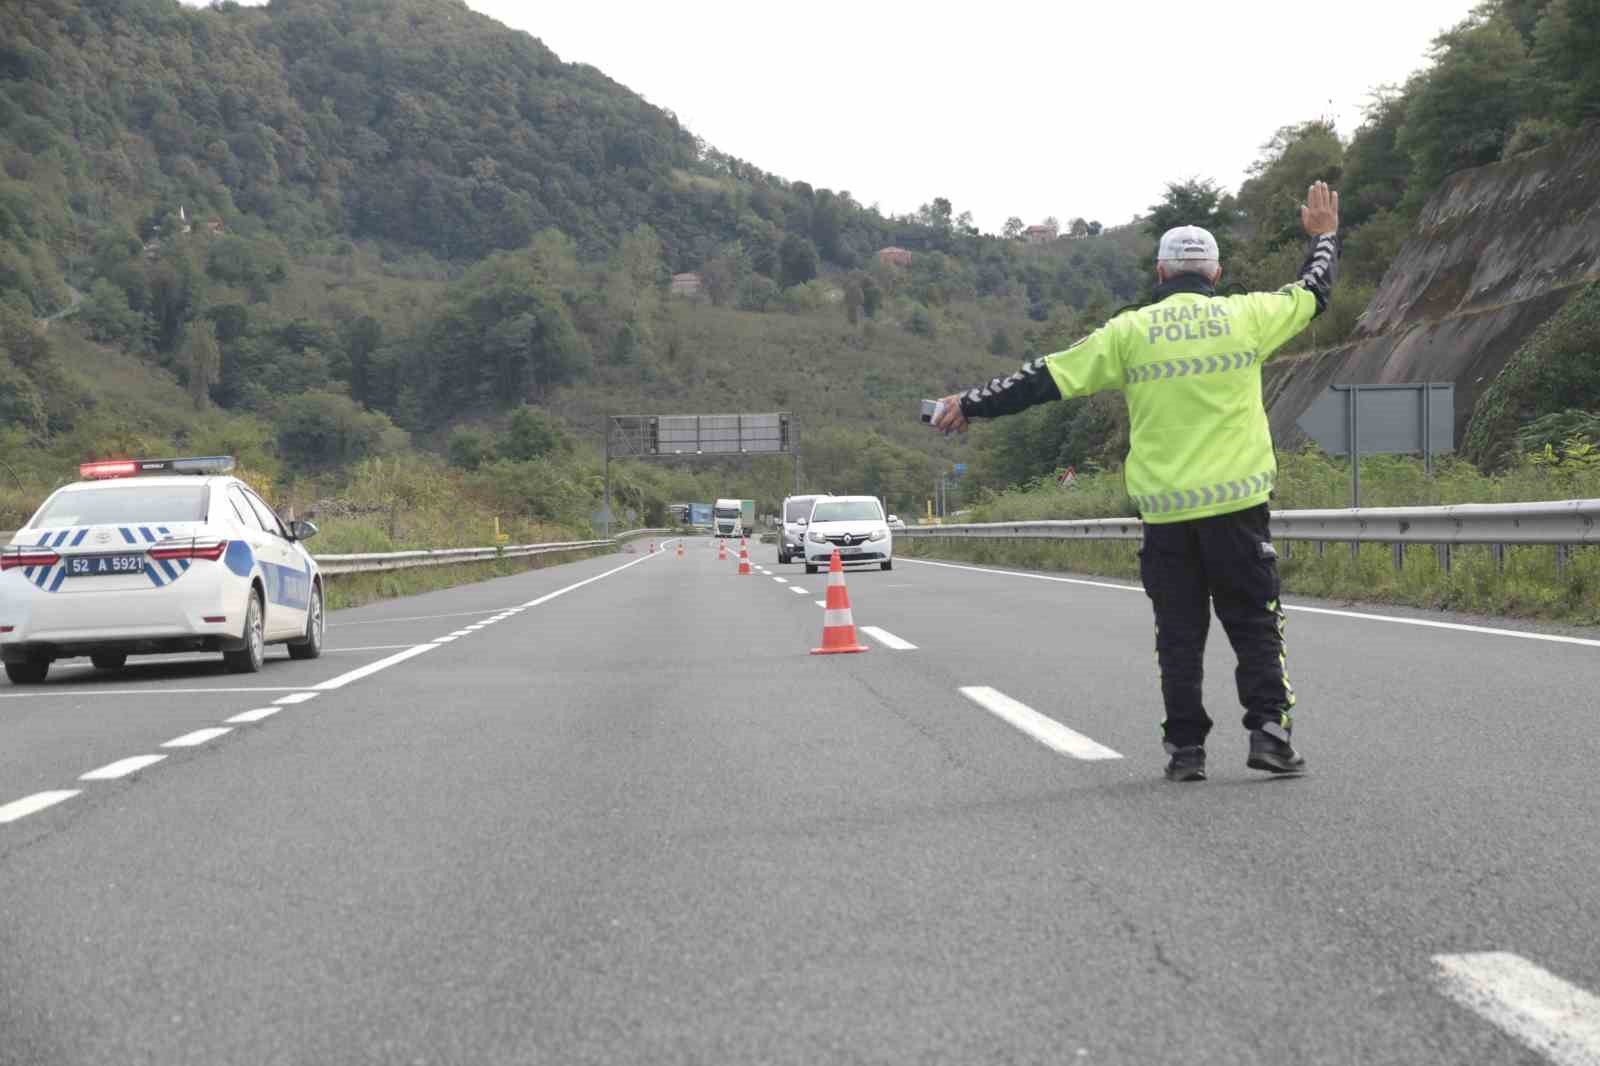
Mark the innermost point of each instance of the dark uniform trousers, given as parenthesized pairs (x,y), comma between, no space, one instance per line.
(1226,561)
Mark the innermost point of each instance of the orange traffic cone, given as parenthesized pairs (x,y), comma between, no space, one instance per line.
(838,627)
(722,551)
(652,547)
(680,549)
(744,559)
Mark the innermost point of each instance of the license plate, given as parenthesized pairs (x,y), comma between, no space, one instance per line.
(105,565)
(849,551)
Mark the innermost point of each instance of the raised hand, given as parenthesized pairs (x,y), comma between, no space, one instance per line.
(1320,213)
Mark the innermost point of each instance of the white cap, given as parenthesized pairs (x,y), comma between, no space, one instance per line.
(1187,242)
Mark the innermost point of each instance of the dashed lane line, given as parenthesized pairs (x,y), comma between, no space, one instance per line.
(797,588)
(256,715)
(820,603)
(91,690)
(295,697)
(198,737)
(780,580)
(887,639)
(1364,616)
(121,768)
(1047,731)
(1558,1020)
(33,804)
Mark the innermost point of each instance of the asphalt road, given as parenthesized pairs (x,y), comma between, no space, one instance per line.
(635,822)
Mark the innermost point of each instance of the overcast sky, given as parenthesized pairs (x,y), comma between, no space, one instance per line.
(1006,108)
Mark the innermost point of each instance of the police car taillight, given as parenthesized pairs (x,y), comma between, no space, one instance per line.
(188,548)
(21,555)
(204,464)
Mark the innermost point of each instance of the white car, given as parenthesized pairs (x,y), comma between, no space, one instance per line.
(792,525)
(153,556)
(852,525)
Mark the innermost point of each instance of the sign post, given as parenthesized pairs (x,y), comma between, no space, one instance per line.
(1382,420)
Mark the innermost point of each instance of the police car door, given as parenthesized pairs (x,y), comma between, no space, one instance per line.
(271,546)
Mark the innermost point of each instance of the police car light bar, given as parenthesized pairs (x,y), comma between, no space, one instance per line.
(205,464)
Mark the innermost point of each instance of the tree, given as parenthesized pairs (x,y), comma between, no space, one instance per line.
(871,296)
(1013,228)
(531,434)
(1296,156)
(319,430)
(201,360)
(1095,229)
(1079,228)
(797,258)
(1195,202)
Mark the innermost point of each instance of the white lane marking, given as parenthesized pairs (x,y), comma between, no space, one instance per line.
(79,691)
(295,697)
(1558,1020)
(781,580)
(887,639)
(371,668)
(121,768)
(444,640)
(369,647)
(461,632)
(253,716)
(197,738)
(418,618)
(1047,731)
(33,804)
(797,588)
(1553,638)
(547,597)
(821,603)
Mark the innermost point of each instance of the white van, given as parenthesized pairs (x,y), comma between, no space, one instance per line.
(792,531)
(855,526)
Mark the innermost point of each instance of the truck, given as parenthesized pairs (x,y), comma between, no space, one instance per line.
(700,515)
(734,518)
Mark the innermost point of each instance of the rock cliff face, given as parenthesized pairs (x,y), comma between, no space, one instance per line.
(1497,251)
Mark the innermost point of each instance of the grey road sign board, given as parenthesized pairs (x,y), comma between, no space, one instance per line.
(1389,419)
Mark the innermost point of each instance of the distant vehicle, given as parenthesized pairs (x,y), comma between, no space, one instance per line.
(897,524)
(700,515)
(855,526)
(729,518)
(151,556)
(792,526)
(747,517)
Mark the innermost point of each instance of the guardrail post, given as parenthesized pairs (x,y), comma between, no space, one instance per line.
(1444,553)
(1499,553)
(1399,556)
(1321,545)
(1561,561)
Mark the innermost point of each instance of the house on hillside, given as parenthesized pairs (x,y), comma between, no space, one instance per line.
(1039,234)
(687,284)
(214,227)
(892,256)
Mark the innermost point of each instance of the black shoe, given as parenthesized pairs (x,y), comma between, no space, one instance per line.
(1187,764)
(1271,751)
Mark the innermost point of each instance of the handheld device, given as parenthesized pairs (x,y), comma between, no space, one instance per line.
(932,409)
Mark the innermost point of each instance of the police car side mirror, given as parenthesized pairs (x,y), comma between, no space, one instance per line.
(303,530)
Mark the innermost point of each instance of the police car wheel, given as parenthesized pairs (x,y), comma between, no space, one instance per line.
(248,659)
(29,671)
(888,564)
(110,660)
(310,646)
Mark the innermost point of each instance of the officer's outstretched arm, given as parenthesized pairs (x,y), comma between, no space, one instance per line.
(1087,367)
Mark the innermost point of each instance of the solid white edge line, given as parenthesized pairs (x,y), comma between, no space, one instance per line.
(79,691)
(1553,638)
(445,640)
(1558,1020)
(121,768)
(887,639)
(417,618)
(547,597)
(369,647)
(1047,731)
(198,737)
(253,716)
(295,697)
(33,804)
(371,668)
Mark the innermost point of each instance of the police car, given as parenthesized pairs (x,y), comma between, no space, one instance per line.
(146,556)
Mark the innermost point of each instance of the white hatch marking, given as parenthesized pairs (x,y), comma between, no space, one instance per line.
(197,738)
(888,639)
(1558,1020)
(121,768)
(296,697)
(253,716)
(33,804)
(1047,731)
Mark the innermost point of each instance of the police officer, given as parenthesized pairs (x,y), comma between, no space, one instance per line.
(1200,468)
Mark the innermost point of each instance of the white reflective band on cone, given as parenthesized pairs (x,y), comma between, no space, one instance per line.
(836,577)
(835,619)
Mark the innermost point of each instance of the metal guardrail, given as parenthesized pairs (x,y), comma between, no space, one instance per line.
(370,562)
(1562,523)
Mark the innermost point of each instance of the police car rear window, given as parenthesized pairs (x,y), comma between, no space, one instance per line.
(123,504)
